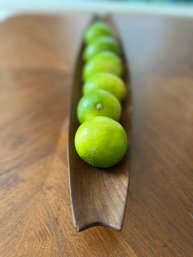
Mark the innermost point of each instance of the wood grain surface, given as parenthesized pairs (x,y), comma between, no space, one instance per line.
(36,60)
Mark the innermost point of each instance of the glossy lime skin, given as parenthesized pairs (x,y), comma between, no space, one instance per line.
(98,103)
(106,81)
(101,142)
(96,30)
(105,43)
(103,62)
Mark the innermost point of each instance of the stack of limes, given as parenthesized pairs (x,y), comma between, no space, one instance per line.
(100,140)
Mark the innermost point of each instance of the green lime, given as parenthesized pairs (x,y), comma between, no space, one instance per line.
(103,62)
(106,81)
(101,44)
(96,30)
(98,103)
(101,142)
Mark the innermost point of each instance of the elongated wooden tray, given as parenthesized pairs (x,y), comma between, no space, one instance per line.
(98,196)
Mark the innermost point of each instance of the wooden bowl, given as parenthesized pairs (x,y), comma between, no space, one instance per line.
(98,196)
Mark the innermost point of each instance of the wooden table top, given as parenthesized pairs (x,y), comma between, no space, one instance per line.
(36,59)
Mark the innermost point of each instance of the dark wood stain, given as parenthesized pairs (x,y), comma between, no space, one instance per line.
(98,196)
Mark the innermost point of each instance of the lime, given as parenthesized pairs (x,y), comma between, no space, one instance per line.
(96,30)
(98,103)
(101,44)
(101,142)
(103,62)
(106,81)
